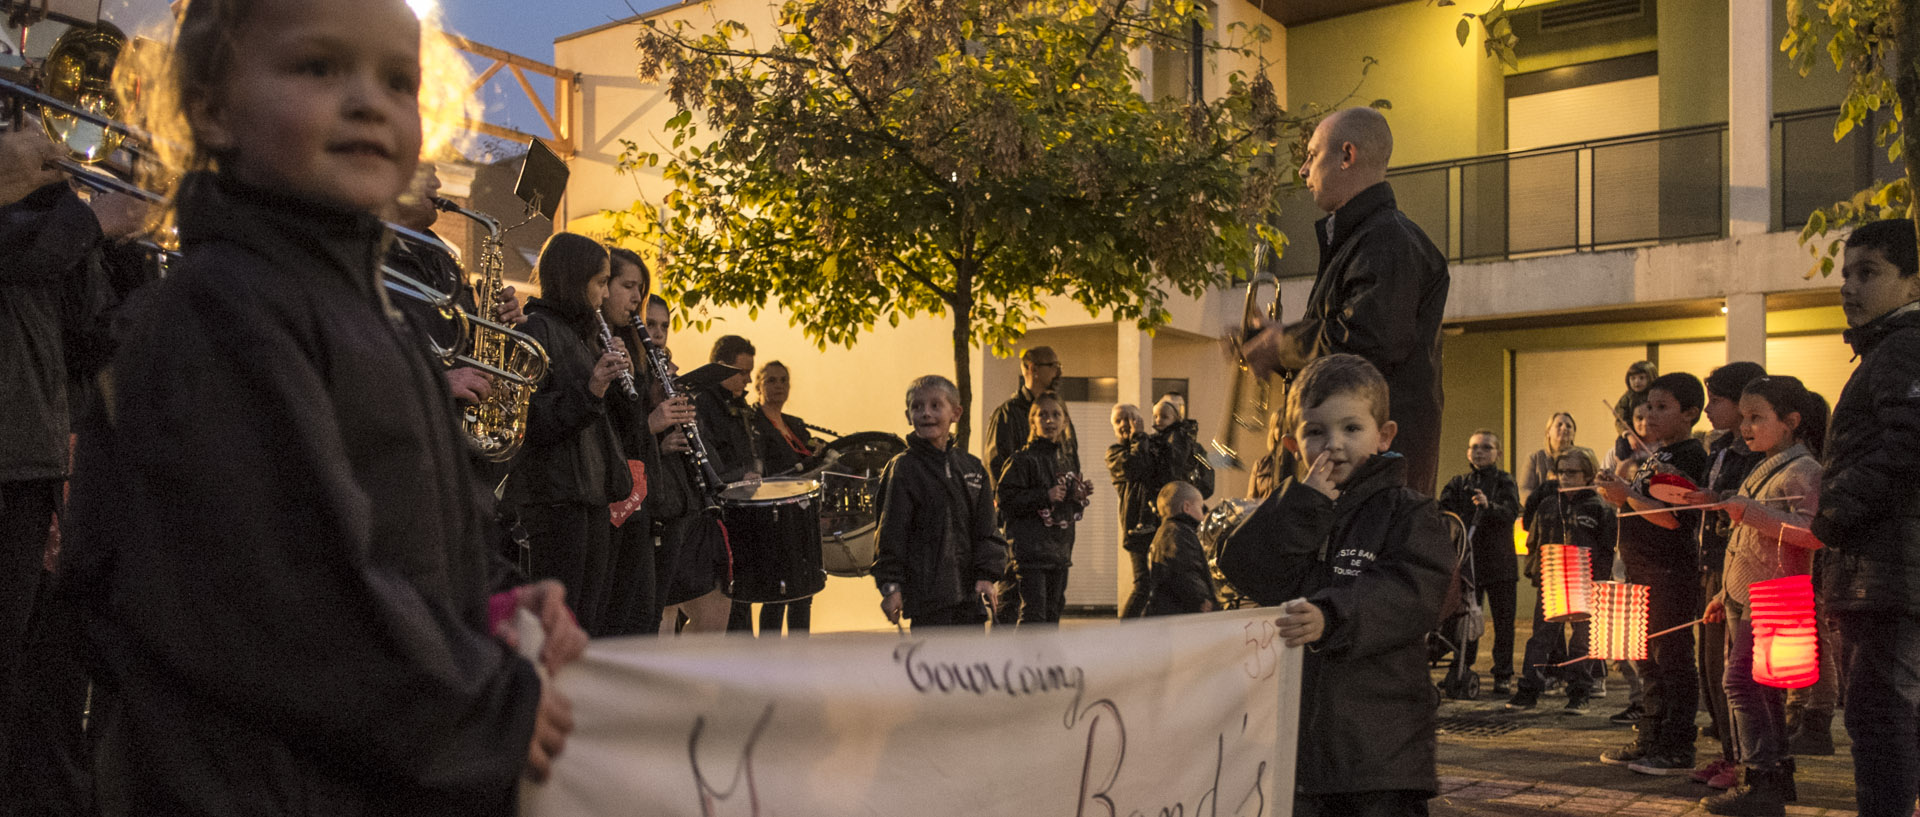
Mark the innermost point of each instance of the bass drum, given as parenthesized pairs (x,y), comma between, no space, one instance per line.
(849,470)
(773,527)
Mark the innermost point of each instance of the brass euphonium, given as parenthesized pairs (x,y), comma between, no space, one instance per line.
(497,426)
(1250,403)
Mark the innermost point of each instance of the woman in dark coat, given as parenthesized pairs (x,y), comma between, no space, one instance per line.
(783,443)
(571,466)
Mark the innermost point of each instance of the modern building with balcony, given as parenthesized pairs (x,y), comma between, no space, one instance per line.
(1632,190)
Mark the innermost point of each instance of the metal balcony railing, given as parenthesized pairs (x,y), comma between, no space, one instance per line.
(1624,191)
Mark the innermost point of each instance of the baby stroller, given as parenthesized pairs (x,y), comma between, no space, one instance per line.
(1460,621)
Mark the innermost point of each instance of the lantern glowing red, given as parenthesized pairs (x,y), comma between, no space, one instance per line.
(1566,582)
(1786,642)
(1619,631)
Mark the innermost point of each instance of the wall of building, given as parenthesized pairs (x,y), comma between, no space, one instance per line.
(1446,88)
(1479,387)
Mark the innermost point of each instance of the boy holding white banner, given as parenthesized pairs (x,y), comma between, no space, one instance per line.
(1358,562)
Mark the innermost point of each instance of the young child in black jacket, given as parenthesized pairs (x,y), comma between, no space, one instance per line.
(1358,562)
(1180,581)
(1042,496)
(940,551)
(1573,517)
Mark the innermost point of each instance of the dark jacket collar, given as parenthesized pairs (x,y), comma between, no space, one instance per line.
(1864,338)
(1380,472)
(920,445)
(340,240)
(1185,520)
(1042,445)
(1355,212)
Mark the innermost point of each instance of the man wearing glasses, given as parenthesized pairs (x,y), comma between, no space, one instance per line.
(1007,434)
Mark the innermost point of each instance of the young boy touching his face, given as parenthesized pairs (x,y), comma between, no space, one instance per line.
(1358,563)
(940,550)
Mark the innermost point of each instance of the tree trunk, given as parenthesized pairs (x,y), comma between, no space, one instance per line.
(1907,84)
(963,356)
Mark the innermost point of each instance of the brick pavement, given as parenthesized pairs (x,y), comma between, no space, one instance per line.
(1548,764)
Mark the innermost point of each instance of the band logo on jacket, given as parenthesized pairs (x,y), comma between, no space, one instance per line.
(1352,561)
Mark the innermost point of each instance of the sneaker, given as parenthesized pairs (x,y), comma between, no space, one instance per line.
(1576,703)
(1711,770)
(1624,755)
(1600,687)
(1630,715)
(1726,779)
(1524,699)
(1503,686)
(1662,764)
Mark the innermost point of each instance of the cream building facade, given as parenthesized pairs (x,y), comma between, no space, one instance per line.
(1631,190)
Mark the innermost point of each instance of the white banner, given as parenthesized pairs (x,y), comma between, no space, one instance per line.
(1180,715)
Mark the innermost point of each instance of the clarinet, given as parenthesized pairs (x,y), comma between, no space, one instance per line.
(606,342)
(703,472)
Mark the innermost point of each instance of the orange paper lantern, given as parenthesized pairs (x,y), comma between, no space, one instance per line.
(1566,582)
(1619,631)
(1786,641)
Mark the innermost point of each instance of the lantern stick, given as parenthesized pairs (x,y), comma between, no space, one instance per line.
(1673,508)
(1589,656)
(1581,488)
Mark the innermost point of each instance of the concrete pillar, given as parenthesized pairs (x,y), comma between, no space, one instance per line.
(1750,48)
(1134,351)
(1747,327)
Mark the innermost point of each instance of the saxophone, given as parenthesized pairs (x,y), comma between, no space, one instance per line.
(497,426)
(709,480)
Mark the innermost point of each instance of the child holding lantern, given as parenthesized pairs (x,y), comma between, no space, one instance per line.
(1770,540)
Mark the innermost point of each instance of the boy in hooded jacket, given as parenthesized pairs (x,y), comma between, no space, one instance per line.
(1869,517)
(1358,563)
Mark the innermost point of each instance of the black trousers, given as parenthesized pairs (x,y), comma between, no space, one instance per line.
(49,770)
(1549,645)
(1669,675)
(26,514)
(1711,655)
(1043,594)
(798,616)
(1500,597)
(1881,651)
(631,599)
(570,543)
(1136,605)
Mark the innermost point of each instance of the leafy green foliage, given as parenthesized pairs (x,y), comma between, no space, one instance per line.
(1501,43)
(1860,38)
(966,158)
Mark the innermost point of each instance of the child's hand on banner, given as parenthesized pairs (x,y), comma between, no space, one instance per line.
(1301,622)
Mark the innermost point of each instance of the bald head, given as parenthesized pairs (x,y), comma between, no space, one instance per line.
(1367,130)
(1347,154)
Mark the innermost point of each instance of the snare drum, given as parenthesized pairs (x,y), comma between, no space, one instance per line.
(773,527)
(848,470)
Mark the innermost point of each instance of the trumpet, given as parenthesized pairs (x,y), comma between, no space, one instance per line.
(75,115)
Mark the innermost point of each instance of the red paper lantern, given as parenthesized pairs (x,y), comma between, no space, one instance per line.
(1619,631)
(1566,582)
(1786,641)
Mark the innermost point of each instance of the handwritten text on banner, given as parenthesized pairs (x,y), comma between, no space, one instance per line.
(1166,716)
